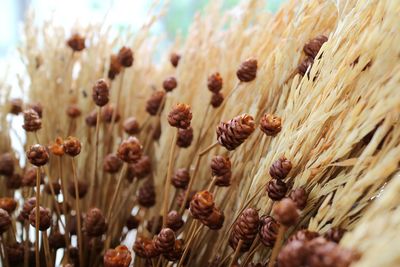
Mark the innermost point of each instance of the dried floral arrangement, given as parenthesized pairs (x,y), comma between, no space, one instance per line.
(259,140)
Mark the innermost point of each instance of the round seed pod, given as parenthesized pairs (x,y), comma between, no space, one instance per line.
(165,240)
(37,155)
(202,205)
(15,253)
(215,82)
(112,164)
(73,111)
(44,218)
(185,137)
(95,223)
(28,206)
(286,212)
(233,133)
(101,93)
(176,253)
(29,178)
(5,221)
(118,257)
(115,67)
(8,204)
(154,102)
(335,234)
(72,146)
(131,126)
(56,187)
(76,42)
(174,220)
(216,219)
(36,107)
(270,124)
(299,196)
(14,181)
(293,254)
(304,65)
(130,150)
(107,114)
(56,240)
(180,116)
(174,58)
(154,224)
(303,235)
(140,169)
(125,57)
(147,195)
(16,106)
(32,121)
(312,47)
(73,224)
(144,248)
(132,222)
(181,178)
(221,169)
(246,229)
(157,131)
(280,168)
(82,188)
(170,84)
(247,70)
(91,119)
(268,230)
(7,164)
(216,100)
(276,189)
(57,148)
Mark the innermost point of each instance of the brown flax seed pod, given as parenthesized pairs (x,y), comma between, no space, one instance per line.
(72,146)
(215,220)
(107,114)
(14,181)
(91,119)
(146,194)
(83,187)
(293,254)
(276,189)
(125,57)
(216,100)
(130,150)
(245,229)
(280,168)
(131,126)
(73,111)
(7,164)
(185,137)
(247,70)
(37,155)
(165,240)
(233,133)
(132,222)
(286,212)
(5,221)
(144,248)
(56,240)
(202,205)
(174,220)
(95,223)
(16,106)
(270,124)
(140,169)
(36,107)
(100,93)
(220,165)
(335,234)
(28,206)
(44,218)
(115,67)
(304,65)
(112,164)
(154,102)
(76,42)
(118,257)
(312,48)
(215,82)
(176,253)
(303,235)
(169,84)
(56,187)
(180,116)
(174,59)
(181,178)
(268,230)
(32,121)
(299,196)
(15,253)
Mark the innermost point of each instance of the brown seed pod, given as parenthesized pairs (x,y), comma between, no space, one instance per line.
(76,42)
(130,150)
(286,212)
(15,253)
(181,178)
(245,229)
(157,131)
(5,221)
(221,169)
(107,114)
(44,218)
(82,188)
(180,116)
(233,133)
(146,194)
(7,164)
(174,58)
(29,178)
(37,155)
(56,240)
(276,189)
(299,196)
(176,253)
(154,225)
(101,93)
(95,223)
(268,230)
(185,137)
(118,257)
(144,248)
(335,234)
(216,100)
(202,205)
(304,65)
(32,121)
(131,126)
(57,148)
(303,235)
(216,219)
(280,168)
(91,119)
(132,222)
(73,224)
(313,46)
(16,106)
(181,197)
(36,107)
(72,146)
(56,186)
(247,70)
(215,82)
(174,220)
(14,181)
(165,240)
(73,111)
(140,169)
(125,57)
(293,254)
(112,164)
(115,67)
(154,102)
(170,84)
(28,206)
(270,124)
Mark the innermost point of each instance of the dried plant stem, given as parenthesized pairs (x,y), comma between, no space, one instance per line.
(78,212)
(96,158)
(114,115)
(150,136)
(253,249)
(196,168)
(167,187)
(212,183)
(191,238)
(236,254)
(47,253)
(277,245)
(4,258)
(26,244)
(58,211)
(37,256)
(64,204)
(37,137)
(112,203)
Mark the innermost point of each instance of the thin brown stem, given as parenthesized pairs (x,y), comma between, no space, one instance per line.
(237,252)
(47,254)
(119,182)
(96,156)
(37,256)
(3,253)
(26,244)
(277,245)
(64,205)
(58,211)
(78,212)
(114,115)
(212,183)
(189,242)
